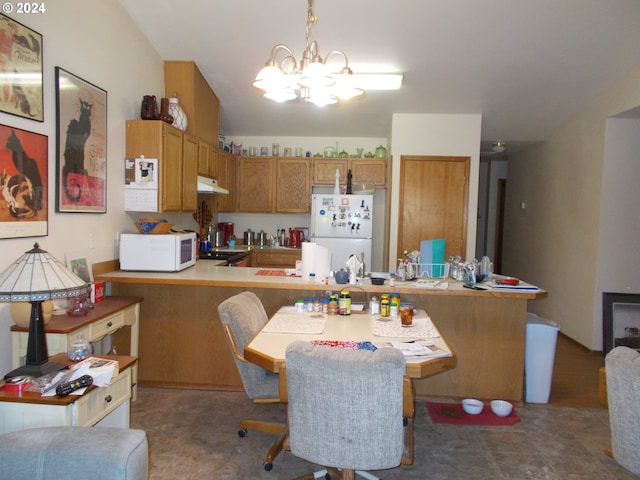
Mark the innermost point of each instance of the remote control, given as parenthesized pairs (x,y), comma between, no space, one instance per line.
(68,387)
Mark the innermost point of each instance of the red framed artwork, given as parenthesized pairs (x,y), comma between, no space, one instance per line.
(81,139)
(24,183)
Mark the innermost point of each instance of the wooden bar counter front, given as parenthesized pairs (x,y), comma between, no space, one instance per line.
(182,343)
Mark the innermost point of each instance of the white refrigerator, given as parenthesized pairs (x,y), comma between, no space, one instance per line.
(343,224)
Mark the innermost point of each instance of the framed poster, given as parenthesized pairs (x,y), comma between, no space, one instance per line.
(621,321)
(81,147)
(24,183)
(20,70)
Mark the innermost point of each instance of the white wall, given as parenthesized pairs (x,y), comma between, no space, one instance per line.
(97,41)
(619,231)
(427,134)
(555,242)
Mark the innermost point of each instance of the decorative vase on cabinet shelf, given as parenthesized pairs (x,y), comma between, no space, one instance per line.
(179,117)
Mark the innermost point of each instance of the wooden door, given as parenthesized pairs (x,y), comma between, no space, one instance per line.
(433,202)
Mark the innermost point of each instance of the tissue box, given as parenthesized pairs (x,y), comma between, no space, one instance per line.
(97,292)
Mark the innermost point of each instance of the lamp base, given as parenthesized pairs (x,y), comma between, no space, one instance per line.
(36,370)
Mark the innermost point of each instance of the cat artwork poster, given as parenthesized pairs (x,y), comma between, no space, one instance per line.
(20,70)
(24,183)
(81,153)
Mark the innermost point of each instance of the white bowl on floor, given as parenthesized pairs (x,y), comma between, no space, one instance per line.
(472,406)
(501,408)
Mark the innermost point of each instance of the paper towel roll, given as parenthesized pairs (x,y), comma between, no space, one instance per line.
(315,259)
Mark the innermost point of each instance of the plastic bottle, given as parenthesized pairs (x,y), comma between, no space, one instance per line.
(374,306)
(400,273)
(384,306)
(392,279)
(393,309)
(344,303)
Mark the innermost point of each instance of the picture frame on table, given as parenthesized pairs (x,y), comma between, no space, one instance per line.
(20,70)
(81,145)
(80,265)
(621,321)
(24,180)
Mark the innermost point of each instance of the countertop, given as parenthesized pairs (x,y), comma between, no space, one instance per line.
(208,273)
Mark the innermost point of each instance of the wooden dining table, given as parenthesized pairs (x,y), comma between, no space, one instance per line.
(358,330)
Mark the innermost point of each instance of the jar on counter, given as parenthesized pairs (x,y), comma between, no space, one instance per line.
(300,305)
(392,279)
(384,306)
(394,298)
(317,306)
(325,305)
(393,309)
(374,306)
(344,303)
(309,304)
(333,305)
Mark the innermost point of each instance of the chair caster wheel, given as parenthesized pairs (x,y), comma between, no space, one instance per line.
(242,432)
(268,466)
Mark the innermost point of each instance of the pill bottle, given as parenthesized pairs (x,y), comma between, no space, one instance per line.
(393,309)
(392,279)
(317,306)
(333,305)
(325,305)
(309,304)
(384,306)
(300,305)
(344,303)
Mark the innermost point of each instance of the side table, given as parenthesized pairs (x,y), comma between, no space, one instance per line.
(98,406)
(106,317)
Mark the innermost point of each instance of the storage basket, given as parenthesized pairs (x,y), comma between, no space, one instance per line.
(431,270)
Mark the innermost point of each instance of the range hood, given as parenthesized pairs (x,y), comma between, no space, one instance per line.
(209,185)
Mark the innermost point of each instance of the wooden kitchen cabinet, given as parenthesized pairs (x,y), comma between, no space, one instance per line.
(256,179)
(156,139)
(324,170)
(369,170)
(293,185)
(189,173)
(275,257)
(214,168)
(227,166)
(363,170)
(197,99)
(204,152)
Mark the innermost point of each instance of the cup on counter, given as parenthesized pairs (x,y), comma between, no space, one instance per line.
(406,314)
(232,243)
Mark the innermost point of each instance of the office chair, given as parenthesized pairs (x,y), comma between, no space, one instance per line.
(345,408)
(242,317)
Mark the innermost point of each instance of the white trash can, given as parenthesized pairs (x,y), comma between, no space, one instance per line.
(539,355)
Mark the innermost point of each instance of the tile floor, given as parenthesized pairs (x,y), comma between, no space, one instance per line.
(193,435)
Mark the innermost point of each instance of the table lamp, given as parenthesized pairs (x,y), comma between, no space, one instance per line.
(35,277)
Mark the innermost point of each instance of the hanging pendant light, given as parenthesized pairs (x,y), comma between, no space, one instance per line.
(312,78)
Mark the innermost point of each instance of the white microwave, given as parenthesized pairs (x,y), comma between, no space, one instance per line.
(170,252)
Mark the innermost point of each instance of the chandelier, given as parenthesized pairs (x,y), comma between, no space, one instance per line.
(312,78)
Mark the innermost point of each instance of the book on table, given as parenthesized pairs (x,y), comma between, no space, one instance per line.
(419,349)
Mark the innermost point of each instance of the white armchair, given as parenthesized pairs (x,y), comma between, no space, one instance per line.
(623,391)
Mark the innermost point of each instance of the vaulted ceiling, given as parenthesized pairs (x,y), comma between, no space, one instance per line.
(526,66)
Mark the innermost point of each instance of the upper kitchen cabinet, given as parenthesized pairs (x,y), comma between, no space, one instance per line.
(369,170)
(227,168)
(274,185)
(197,99)
(256,177)
(293,185)
(157,139)
(364,170)
(204,151)
(189,173)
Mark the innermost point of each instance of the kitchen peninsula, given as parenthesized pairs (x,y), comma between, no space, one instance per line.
(182,343)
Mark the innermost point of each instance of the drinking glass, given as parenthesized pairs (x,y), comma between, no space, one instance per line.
(406,314)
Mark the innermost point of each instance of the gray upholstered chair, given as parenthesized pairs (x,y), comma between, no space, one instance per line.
(242,317)
(345,408)
(623,392)
(55,453)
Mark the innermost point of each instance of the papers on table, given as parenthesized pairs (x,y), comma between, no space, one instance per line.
(419,348)
(101,371)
